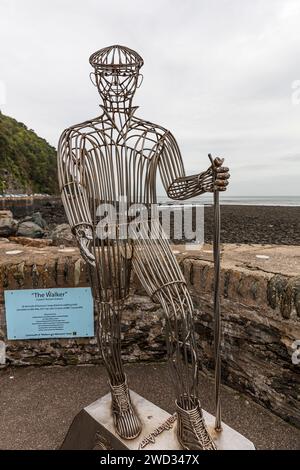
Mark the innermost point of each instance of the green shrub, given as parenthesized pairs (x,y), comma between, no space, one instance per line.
(27,162)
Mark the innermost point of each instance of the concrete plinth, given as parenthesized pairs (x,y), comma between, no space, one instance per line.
(93,428)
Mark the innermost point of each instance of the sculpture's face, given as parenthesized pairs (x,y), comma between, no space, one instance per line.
(117,85)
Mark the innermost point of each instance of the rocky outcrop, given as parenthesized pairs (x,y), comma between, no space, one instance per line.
(62,235)
(29,229)
(8,226)
(32,226)
(36,218)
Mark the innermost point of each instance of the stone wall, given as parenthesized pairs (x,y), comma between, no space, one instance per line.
(50,207)
(26,205)
(260,313)
(260,322)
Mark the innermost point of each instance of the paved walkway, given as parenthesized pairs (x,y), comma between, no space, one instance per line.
(38,404)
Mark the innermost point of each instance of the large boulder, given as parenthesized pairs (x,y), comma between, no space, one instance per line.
(30,229)
(62,235)
(8,225)
(37,218)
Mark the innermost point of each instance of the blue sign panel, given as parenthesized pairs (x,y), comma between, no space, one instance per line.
(49,313)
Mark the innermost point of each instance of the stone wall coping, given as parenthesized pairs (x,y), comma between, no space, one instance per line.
(265,260)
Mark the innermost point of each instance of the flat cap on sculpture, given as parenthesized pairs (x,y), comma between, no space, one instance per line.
(115,56)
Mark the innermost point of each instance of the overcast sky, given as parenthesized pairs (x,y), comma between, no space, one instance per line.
(218,74)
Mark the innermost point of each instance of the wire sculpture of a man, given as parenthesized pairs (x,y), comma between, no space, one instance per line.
(118,155)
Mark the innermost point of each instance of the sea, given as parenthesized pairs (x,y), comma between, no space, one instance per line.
(206,199)
(238,200)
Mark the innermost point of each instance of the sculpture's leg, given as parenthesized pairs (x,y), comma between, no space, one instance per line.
(110,286)
(109,340)
(182,354)
(160,274)
(127,423)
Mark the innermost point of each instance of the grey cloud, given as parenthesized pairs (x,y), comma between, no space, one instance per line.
(292,158)
(217,73)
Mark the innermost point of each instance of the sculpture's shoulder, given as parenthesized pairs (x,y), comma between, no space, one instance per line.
(152,129)
(80,131)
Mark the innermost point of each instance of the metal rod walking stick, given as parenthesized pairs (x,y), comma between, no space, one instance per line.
(217,311)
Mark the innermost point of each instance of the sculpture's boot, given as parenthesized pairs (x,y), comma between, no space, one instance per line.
(192,432)
(127,423)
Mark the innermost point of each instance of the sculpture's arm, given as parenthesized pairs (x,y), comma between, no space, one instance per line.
(177,184)
(73,191)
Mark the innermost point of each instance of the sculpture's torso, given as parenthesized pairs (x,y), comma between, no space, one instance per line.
(118,161)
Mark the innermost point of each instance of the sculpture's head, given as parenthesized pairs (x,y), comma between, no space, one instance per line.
(116,73)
